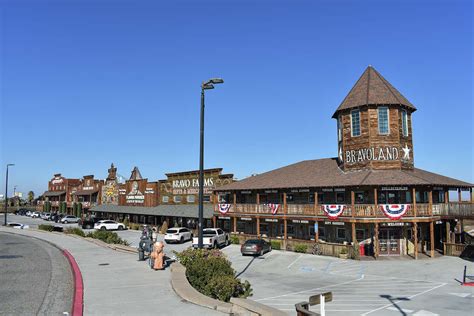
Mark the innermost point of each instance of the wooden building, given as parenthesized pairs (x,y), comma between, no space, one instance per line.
(88,193)
(370,196)
(59,195)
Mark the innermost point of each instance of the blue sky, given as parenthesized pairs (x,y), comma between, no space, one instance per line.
(87,83)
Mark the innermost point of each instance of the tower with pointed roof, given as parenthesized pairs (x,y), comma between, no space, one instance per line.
(374,126)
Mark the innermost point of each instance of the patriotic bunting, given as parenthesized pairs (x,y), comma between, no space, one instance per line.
(394,211)
(273,207)
(224,208)
(333,211)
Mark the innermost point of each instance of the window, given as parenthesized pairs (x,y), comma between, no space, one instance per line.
(341,233)
(206,198)
(190,198)
(177,198)
(404,123)
(321,232)
(165,199)
(355,123)
(360,234)
(359,198)
(383,120)
(340,197)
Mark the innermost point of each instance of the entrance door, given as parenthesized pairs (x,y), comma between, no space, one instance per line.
(389,241)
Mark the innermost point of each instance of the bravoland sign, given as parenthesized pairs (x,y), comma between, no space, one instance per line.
(375,154)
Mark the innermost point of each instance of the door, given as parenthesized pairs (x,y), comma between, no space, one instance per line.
(389,241)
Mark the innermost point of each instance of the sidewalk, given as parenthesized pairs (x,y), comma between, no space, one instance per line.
(115,283)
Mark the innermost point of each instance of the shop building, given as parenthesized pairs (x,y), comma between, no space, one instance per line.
(174,199)
(59,196)
(370,194)
(87,194)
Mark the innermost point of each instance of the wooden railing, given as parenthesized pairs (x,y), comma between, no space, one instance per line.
(465,209)
(454,249)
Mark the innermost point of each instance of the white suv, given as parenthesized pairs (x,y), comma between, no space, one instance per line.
(108,225)
(178,234)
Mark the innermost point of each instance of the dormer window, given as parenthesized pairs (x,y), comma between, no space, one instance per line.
(355,123)
(404,123)
(383,120)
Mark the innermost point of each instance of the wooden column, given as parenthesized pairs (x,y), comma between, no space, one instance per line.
(285,236)
(214,221)
(258,198)
(448,232)
(432,249)
(415,238)
(376,240)
(352,203)
(258,226)
(285,207)
(422,239)
(235,224)
(315,203)
(430,202)
(376,200)
(446,197)
(459,196)
(414,201)
(235,201)
(354,239)
(316,233)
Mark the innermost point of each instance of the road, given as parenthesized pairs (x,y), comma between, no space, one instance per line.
(35,277)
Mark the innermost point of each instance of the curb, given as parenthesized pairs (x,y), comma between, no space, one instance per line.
(78,301)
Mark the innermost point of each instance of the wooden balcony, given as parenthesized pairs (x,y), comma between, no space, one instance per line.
(371,211)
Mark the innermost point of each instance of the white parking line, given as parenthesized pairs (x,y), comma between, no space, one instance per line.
(294,261)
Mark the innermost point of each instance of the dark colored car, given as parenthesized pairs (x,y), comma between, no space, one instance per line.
(21,211)
(89,223)
(255,247)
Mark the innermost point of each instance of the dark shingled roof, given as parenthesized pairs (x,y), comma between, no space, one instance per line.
(326,173)
(372,89)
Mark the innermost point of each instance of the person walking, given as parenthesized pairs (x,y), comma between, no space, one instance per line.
(158,255)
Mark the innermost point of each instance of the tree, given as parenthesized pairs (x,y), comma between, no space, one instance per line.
(31,197)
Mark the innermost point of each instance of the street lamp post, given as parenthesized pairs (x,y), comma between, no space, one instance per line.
(207,85)
(6,193)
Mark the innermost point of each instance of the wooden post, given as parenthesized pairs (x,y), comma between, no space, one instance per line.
(316,233)
(446,197)
(214,221)
(430,202)
(414,201)
(459,196)
(285,236)
(353,203)
(285,207)
(235,202)
(376,240)
(376,200)
(448,232)
(315,203)
(354,239)
(422,239)
(258,198)
(415,238)
(235,224)
(258,226)
(432,250)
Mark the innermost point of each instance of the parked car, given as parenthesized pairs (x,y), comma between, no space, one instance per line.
(212,238)
(35,215)
(45,216)
(18,225)
(28,213)
(21,212)
(90,222)
(109,225)
(255,247)
(69,219)
(178,235)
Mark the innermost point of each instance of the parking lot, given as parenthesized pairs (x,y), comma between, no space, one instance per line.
(396,286)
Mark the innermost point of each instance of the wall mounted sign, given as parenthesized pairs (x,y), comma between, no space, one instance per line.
(327,190)
(375,154)
(272,220)
(246,192)
(57,180)
(224,217)
(334,223)
(122,191)
(186,183)
(271,191)
(149,191)
(135,196)
(248,219)
(88,188)
(300,221)
(394,224)
(394,189)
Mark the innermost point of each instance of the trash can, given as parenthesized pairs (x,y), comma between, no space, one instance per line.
(362,249)
(141,254)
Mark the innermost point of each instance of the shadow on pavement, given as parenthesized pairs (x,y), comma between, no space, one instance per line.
(394,300)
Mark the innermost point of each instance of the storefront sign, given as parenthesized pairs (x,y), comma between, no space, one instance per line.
(272,220)
(439,222)
(334,223)
(300,221)
(224,217)
(135,198)
(271,191)
(394,224)
(375,154)
(394,189)
(122,191)
(248,219)
(187,183)
(149,191)
(88,188)
(339,190)
(246,192)
(57,180)
(327,190)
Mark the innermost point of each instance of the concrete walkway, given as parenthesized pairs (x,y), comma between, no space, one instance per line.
(115,283)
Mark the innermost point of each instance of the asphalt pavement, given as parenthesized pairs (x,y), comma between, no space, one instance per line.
(35,278)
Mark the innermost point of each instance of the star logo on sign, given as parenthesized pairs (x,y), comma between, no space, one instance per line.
(406,152)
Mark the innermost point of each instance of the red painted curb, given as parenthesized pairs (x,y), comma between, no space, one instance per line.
(468,284)
(77,305)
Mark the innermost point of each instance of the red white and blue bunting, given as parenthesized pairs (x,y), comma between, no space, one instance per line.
(273,207)
(333,211)
(224,208)
(394,211)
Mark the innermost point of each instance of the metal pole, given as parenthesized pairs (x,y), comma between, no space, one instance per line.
(6,197)
(201,171)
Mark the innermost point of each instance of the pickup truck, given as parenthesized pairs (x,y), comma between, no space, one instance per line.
(212,238)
